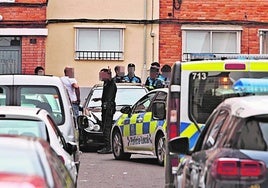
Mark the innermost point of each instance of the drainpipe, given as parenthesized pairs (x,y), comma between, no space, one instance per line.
(144,69)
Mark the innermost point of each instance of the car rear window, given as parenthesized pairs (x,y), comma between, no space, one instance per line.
(45,97)
(252,135)
(23,127)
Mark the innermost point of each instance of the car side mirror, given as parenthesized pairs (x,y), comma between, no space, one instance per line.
(179,145)
(126,110)
(71,148)
(82,122)
(159,110)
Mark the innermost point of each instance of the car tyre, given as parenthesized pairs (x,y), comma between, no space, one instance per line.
(117,147)
(160,149)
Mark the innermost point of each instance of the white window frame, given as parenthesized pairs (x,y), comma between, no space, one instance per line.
(211,29)
(99,55)
(263,37)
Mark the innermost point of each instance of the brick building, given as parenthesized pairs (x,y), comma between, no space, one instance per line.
(186,26)
(22,35)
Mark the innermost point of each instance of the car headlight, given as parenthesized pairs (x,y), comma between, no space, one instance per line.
(96,127)
(91,126)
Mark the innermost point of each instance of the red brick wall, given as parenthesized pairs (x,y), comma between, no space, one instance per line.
(27,14)
(250,14)
(32,54)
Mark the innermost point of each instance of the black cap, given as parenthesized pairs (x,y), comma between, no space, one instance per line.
(155,64)
(131,65)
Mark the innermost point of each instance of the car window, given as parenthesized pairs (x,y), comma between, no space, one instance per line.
(45,97)
(161,96)
(23,127)
(215,128)
(255,129)
(122,96)
(3,95)
(96,93)
(144,103)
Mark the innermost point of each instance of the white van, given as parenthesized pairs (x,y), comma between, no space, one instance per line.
(47,92)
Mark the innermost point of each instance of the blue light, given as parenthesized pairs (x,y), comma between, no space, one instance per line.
(251,85)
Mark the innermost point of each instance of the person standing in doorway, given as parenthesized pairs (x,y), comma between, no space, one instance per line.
(108,107)
(72,87)
(39,70)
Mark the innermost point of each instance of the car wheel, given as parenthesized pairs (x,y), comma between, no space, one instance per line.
(160,149)
(117,147)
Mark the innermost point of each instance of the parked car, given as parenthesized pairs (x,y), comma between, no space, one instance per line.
(36,122)
(14,180)
(231,151)
(90,133)
(141,128)
(47,92)
(31,157)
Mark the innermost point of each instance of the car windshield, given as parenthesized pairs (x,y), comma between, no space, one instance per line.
(21,161)
(124,96)
(209,89)
(23,127)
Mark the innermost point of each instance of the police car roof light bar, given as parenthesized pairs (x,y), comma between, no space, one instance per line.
(222,56)
(251,85)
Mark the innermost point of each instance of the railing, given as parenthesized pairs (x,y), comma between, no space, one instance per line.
(99,55)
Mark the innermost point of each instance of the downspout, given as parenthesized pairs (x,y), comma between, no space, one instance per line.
(144,69)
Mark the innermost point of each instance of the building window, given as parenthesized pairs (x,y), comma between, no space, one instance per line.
(99,44)
(263,34)
(216,40)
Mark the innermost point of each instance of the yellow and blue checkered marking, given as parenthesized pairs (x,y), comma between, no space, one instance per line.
(131,126)
(189,130)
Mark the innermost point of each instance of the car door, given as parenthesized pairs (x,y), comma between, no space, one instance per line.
(137,124)
(205,148)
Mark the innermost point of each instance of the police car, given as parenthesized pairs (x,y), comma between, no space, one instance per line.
(141,128)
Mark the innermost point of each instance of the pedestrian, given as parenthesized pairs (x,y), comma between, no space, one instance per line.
(166,74)
(39,70)
(119,74)
(72,87)
(152,81)
(131,77)
(108,107)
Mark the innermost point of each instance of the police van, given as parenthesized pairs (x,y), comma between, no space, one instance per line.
(198,86)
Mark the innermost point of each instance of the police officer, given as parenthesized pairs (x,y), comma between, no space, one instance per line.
(166,74)
(152,81)
(131,77)
(108,107)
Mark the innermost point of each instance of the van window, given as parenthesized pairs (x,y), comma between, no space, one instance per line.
(45,97)
(208,89)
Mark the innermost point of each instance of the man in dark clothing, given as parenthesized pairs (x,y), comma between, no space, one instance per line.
(119,74)
(108,107)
